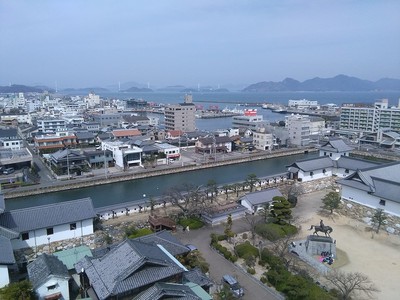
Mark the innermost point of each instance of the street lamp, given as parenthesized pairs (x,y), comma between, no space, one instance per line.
(105,163)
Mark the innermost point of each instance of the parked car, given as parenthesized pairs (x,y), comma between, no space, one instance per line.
(233,285)
(8,171)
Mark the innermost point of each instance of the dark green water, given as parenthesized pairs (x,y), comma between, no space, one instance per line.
(135,190)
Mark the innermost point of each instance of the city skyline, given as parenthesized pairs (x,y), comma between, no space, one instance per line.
(207,43)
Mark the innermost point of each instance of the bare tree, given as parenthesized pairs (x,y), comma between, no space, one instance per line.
(349,284)
(281,249)
(189,198)
(294,192)
(252,221)
(378,219)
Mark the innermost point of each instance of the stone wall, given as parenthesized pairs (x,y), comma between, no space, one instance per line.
(365,214)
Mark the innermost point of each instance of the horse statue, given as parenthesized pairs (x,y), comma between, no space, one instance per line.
(325,229)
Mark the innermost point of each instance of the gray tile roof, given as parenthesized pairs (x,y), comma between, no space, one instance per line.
(261,197)
(22,220)
(84,135)
(336,145)
(45,265)
(127,267)
(162,290)
(354,163)
(381,181)
(8,233)
(6,252)
(312,164)
(196,276)
(165,239)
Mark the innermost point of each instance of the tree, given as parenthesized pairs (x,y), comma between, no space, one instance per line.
(226,189)
(378,219)
(189,198)
(349,284)
(212,188)
(294,192)
(281,210)
(236,187)
(228,228)
(251,181)
(21,290)
(252,221)
(264,211)
(331,201)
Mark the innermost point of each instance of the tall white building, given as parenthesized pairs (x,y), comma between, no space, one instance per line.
(362,120)
(303,104)
(298,127)
(250,120)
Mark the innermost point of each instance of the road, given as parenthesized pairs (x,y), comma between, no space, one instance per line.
(219,266)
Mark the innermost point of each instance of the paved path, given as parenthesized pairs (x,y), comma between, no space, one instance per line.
(219,266)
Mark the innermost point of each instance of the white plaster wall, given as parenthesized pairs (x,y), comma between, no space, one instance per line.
(61,232)
(61,287)
(247,205)
(4,277)
(318,174)
(366,199)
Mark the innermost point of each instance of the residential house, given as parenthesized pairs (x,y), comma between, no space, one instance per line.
(16,119)
(53,142)
(124,154)
(69,161)
(243,143)
(263,140)
(125,133)
(376,187)
(85,139)
(93,127)
(49,278)
(213,144)
(99,158)
(51,125)
(255,201)
(41,225)
(10,139)
(162,290)
(170,151)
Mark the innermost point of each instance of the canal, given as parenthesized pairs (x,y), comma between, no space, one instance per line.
(139,189)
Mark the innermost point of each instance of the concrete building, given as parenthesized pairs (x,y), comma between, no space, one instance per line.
(125,155)
(263,140)
(250,120)
(181,116)
(51,124)
(362,120)
(298,127)
(303,104)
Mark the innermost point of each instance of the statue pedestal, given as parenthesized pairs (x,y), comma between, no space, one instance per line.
(315,245)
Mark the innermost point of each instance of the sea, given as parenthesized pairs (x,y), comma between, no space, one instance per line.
(242,100)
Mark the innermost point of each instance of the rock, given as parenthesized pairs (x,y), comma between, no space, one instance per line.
(349,205)
(369,213)
(397,225)
(367,220)
(390,230)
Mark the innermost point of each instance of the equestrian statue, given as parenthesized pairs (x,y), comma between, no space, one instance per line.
(322,228)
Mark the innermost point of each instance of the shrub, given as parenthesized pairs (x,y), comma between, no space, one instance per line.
(192,222)
(246,249)
(264,279)
(251,271)
(244,236)
(274,232)
(139,232)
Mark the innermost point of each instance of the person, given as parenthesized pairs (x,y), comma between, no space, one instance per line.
(321,223)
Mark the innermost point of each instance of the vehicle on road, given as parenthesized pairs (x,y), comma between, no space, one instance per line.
(233,285)
(8,171)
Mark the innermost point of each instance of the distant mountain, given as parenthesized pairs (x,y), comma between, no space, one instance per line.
(172,88)
(337,83)
(135,89)
(19,88)
(85,90)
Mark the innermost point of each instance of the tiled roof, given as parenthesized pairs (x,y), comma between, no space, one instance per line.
(69,257)
(84,135)
(127,267)
(167,240)
(6,252)
(354,163)
(126,132)
(44,266)
(312,164)
(162,290)
(8,233)
(198,277)
(261,197)
(336,145)
(22,220)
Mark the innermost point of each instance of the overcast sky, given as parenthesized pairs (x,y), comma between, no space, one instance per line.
(169,42)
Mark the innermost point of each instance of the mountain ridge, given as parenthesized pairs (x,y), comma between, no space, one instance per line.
(339,83)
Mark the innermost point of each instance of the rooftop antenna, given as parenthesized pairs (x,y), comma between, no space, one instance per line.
(56,87)
(119,86)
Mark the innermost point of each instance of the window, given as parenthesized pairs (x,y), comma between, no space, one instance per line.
(50,231)
(51,287)
(330,154)
(323,171)
(382,202)
(72,226)
(324,153)
(311,173)
(25,236)
(347,171)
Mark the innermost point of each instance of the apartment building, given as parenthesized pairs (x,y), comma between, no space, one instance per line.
(298,127)
(364,120)
(263,140)
(250,120)
(181,116)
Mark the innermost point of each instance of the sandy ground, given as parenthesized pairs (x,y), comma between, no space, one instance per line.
(375,255)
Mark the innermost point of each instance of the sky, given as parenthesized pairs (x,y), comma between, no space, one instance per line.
(207,43)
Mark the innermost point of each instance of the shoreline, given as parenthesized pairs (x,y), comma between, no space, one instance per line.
(93,181)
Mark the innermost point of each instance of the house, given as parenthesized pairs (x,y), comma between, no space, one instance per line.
(125,133)
(85,138)
(128,269)
(41,225)
(213,144)
(170,151)
(98,158)
(53,142)
(162,290)
(69,161)
(124,154)
(255,201)
(69,257)
(6,255)
(9,139)
(49,277)
(375,187)
(219,215)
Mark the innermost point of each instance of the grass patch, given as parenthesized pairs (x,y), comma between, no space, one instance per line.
(192,222)
(273,232)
